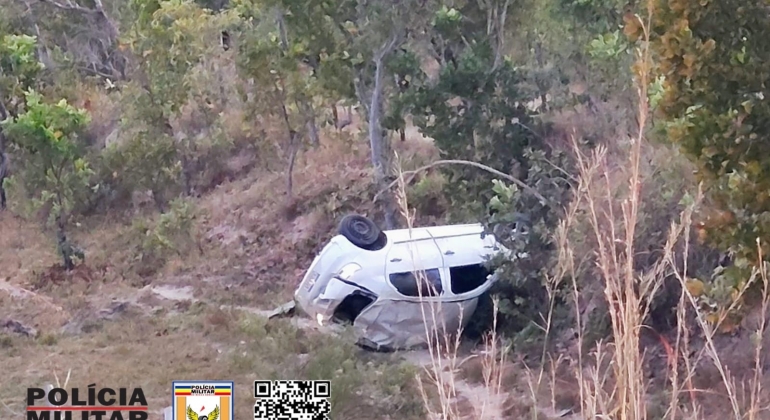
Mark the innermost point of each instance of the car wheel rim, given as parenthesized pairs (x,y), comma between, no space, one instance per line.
(361,227)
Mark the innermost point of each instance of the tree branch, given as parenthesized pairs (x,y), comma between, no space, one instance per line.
(70,5)
(489,169)
(97,11)
(387,47)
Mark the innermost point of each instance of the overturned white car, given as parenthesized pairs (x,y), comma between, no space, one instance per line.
(398,287)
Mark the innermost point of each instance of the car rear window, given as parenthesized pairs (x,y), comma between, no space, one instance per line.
(424,283)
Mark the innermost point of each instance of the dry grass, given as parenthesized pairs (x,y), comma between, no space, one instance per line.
(202,342)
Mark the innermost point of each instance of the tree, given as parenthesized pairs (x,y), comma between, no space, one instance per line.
(475,111)
(82,35)
(715,61)
(373,32)
(18,70)
(275,54)
(169,38)
(55,171)
(344,47)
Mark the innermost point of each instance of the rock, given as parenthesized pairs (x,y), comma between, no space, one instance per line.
(114,309)
(287,309)
(87,320)
(17,327)
(174,293)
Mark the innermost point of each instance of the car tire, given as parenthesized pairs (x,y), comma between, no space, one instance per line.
(361,232)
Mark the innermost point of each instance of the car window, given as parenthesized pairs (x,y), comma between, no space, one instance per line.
(468,277)
(407,283)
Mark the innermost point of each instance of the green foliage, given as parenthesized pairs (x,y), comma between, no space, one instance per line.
(55,170)
(46,135)
(717,113)
(598,16)
(18,65)
(171,37)
(611,60)
(274,66)
(475,113)
(173,233)
(608,46)
(314,48)
(148,162)
(522,292)
(427,195)
(576,43)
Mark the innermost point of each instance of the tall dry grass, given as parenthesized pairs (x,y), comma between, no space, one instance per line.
(612,380)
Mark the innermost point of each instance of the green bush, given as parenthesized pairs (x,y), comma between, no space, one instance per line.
(55,173)
(715,110)
(173,233)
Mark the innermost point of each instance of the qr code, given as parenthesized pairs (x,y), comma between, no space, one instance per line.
(292,400)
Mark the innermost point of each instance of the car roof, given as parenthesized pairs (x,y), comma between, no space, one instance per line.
(435,232)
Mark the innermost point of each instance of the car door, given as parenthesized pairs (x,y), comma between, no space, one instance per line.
(407,262)
(465,259)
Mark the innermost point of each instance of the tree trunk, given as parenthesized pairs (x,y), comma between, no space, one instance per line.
(3,174)
(309,116)
(160,203)
(541,87)
(293,140)
(3,158)
(294,149)
(377,140)
(335,117)
(65,247)
(187,170)
(3,117)
(3,199)
(496,22)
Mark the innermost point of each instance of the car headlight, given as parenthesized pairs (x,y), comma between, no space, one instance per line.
(347,271)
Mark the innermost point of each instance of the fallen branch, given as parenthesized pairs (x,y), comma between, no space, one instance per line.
(494,171)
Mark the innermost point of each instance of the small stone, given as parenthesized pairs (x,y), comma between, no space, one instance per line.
(17,327)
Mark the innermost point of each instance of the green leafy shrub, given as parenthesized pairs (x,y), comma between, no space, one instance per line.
(716,111)
(427,195)
(147,162)
(173,233)
(19,68)
(524,279)
(55,173)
